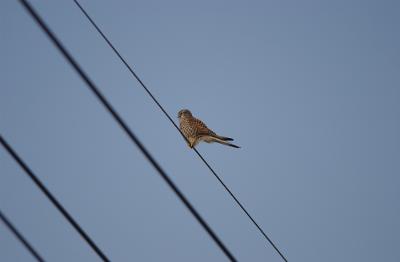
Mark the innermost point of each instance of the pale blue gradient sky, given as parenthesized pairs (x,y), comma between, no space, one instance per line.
(309,89)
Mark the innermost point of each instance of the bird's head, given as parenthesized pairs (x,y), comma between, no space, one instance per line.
(183,113)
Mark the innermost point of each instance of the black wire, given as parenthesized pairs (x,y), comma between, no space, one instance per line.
(21,238)
(125,127)
(172,121)
(52,199)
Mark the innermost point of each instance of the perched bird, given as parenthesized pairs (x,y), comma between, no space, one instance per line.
(195,131)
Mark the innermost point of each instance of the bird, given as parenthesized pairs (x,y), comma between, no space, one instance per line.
(195,131)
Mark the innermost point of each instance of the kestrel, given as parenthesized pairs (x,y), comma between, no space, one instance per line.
(195,130)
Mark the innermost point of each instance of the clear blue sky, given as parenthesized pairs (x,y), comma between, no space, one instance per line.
(309,89)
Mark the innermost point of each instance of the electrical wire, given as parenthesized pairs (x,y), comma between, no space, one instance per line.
(20,237)
(170,119)
(125,127)
(52,199)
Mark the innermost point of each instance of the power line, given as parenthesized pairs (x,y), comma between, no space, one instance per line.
(172,121)
(125,127)
(52,199)
(20,237)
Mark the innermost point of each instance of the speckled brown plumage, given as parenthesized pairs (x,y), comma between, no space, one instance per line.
(195,130)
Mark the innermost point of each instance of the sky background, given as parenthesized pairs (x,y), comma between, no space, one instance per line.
(309,89)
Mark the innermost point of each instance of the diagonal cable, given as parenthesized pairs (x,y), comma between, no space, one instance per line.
(20,237)
(52,199)
(170,119)
(125,127)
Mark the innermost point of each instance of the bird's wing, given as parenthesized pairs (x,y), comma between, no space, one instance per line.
(202,129)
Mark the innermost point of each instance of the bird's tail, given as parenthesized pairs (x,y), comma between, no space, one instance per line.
(230,144)
(223,140)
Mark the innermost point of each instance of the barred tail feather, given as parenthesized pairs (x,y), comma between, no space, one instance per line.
(210,139)
(225,138)
(232,145)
